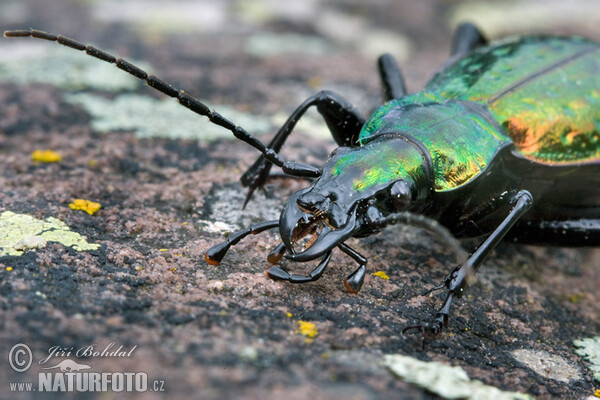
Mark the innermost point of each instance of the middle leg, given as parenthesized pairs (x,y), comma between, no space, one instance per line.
(458,279)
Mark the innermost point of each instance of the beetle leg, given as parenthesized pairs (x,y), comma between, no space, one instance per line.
(343,122)
(215,254)
(575,232)
(281,175)
(467,37)
(276,254)
(457,281)
(279,274)
(391,78)
(354,281)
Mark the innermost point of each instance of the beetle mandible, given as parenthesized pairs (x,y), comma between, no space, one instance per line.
(504,141)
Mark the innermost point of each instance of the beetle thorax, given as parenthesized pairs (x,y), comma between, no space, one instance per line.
(357,189)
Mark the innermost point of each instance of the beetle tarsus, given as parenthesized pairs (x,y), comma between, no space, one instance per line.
(460,277)
(215,254)
(279,274)
(276,254)
(433,289)
(436,325)
(355,280)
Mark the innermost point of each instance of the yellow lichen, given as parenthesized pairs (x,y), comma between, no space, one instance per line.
(8,269)
(597,393)
(86,205)
(289,315)
(381,274)
(576,298)
(307,329)
(47,156)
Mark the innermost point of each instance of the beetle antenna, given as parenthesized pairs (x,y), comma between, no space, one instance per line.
(420,221)
(184,99)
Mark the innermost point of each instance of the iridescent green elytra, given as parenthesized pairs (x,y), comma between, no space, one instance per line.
(542,94)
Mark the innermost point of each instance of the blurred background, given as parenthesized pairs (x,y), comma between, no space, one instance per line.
(212,39)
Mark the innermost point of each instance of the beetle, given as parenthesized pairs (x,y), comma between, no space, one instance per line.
(503,142)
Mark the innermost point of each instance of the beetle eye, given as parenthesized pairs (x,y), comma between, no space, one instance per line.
(401,195)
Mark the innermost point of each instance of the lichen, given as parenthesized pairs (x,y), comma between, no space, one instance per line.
(444,380)
(589,349)
(547,365)
(46,156)
(30,243)
(381,274)
(16,230)
(307,329)
(38,62)
(88,206)
(264,44)
(166,118)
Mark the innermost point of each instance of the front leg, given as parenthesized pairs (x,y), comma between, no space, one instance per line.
(343,122)
(460,277)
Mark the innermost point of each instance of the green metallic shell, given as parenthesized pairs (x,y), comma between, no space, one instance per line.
(461,137)
(376,164)
(544,91)
(540,93)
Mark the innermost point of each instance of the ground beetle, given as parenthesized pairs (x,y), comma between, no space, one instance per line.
(503,141)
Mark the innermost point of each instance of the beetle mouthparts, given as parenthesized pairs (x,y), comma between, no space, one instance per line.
(307,231)
(326,239)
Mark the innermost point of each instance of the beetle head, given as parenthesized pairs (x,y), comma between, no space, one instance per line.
(357,189)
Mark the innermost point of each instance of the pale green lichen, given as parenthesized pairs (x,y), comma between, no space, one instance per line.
(20,232)
(38,62)
(589,349)
(444,380)
(264,44)
(149,117)
(548,366)
(155,19)
(533,16)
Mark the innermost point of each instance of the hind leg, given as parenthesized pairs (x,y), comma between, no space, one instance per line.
(467,37)
(391,78)
(577,232)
